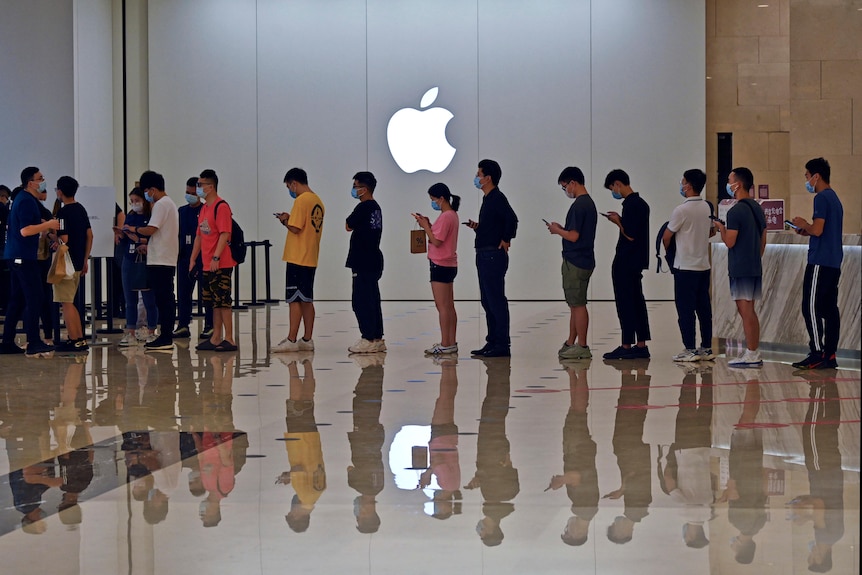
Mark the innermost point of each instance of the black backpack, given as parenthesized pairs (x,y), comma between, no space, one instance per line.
(670,252)
(238,249)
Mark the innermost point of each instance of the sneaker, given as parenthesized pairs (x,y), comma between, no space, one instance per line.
(687,355)
(39,349)
(813,357)
(379,345)
(206,333)
(128,340)
(751,358)
(574,351)
(619,353)
(181,332)
(705,354)
(636,352)
(159,344)
(438,349)
(305,344)
(817,362)
(285,346)
(67,346)
(10,349)
(142,334)
(502,351)
(364,346)
(481,350)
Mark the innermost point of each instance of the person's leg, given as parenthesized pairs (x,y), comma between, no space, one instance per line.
(72,318)
(225,301)
(484,274)
(622,300)
(307,319)
(130,297)
(185,287)
(498,305)
(684,297)
(443,300)
(703,308)
(15,305)
(152,310)
(46,305)
(359,301)
(167,323)
(581,320)
(377,309)
(640,314)
(809,297)
(826,307)
(295,309)
(750,323)
(33,284)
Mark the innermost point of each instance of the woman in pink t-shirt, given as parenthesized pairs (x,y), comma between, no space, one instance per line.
(443,258)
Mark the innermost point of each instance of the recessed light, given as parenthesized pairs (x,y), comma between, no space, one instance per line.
(763,5)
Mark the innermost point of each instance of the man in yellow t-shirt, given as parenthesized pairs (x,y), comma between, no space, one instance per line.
(301,248)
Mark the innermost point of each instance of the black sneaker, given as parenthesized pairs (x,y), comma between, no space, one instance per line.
(159,344)
(67,346)
(805,363)
(481,350)
(619,353)
(824,363)
(181,332)
(636,352)
(497,352)
(39,349)
(206,333)
(10,349)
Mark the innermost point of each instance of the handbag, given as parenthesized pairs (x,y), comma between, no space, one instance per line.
(61,266)
(418,242)
(137,274)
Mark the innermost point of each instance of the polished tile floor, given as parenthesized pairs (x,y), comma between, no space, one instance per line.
(134,463)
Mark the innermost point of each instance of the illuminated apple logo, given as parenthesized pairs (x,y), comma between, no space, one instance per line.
(417,139)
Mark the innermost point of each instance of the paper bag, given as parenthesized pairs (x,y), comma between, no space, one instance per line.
(417,242)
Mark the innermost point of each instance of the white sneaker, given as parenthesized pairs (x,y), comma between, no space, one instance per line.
(433,349)
(380,345)
(285,346)
(305,345)
(705,354)
(365,346)
(687,355)
(142,334)
(751,358)
(128,340)
(438,349)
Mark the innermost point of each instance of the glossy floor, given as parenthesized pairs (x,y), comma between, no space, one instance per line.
(187,462)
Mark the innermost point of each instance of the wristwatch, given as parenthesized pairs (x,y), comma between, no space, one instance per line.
(216,258)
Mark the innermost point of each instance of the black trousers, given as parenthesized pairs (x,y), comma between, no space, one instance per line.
(25,300)
(691,295)
(160,279)
(492,266)
(631,305)
(366,304)
(820,308)
(185,291)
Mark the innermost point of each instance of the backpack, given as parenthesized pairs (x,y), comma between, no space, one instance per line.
(238,249)
(670,252)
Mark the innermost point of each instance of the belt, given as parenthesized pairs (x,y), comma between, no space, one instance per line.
(488,249)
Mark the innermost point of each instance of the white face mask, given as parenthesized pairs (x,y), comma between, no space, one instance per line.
(137,208)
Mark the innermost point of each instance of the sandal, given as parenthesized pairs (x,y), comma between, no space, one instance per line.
(206,345)
(225,345)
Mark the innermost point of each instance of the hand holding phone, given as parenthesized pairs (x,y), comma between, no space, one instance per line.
(547,223)
(791,224)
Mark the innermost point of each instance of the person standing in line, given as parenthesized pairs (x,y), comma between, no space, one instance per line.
(212,241)
(825,253)
(22,244)
(162,233)
(691,226)
(632,257)
(301,251)
(495,230)
(365,260)
(4,268)
(443,259)
(76,233)
(188,218)
(744,234)
(579,260)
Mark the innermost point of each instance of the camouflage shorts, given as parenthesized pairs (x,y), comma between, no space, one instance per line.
(217,288)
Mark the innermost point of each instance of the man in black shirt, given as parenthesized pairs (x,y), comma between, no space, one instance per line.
(495,229)
(632,257)
(365,260)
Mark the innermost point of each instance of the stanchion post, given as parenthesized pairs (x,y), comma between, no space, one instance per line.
(267,245)
(110,306)
(236,302)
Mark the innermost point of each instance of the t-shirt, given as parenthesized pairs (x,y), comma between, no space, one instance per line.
(303,248)
(497,221)
(127,246)
(74,223)
(827,250)
(445,229)
(188,222)
(743,259)
(366,221)
(25,212)
(212,222)
(690,224)
(581,217)
(164,245)
(633,254)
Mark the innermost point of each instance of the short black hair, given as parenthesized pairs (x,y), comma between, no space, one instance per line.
(68,186)
(27,175)
(210,175)
(296,175)
(617,175)
(441,190)
(696,178)
(4,190)
(192,182)
(820,167)
(151,179)
(745,177)
(367,179)
(491,169)
(571,174)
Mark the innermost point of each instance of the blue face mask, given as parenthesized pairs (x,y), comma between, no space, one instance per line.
(476,182)
(730,191)
(616,195)
(200,192)
(148,197)
(192,199)
(809,187)
(292,193)
(435,206)
(43,185)
(354,194)
(682,190)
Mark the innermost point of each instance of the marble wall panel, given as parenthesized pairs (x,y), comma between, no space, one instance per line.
(805,80)
(721,81)
(747,18)
(774,49)
(825,30)
(842,78)
(821,127)
(742,118)
(779,151)
(764,84)
(725,50)
(751,149)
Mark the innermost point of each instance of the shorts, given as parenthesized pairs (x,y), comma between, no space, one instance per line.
(746,288)
(216,288)
(575,283)
(65,290)
(299,283)
(443,274)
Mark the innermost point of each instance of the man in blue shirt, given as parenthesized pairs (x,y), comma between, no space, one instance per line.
(22,244)
(188,215)
(825,252)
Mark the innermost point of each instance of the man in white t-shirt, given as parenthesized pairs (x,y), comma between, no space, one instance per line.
(162,252)
(690,225)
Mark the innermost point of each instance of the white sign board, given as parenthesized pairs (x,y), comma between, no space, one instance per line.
(100,204)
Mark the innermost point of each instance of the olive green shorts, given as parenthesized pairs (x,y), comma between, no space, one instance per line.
(575,283)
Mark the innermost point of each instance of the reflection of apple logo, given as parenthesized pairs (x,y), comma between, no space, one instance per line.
(417,139)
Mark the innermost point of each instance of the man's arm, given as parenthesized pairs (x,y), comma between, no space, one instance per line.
(36,229)
(763,242)
(666,237)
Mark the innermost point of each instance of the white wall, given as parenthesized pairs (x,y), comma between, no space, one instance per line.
(254,88)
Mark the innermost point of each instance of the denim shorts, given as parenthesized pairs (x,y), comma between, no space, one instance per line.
(746,288)
(443,274)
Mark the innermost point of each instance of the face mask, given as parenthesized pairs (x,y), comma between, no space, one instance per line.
(43,185)
(730,191)
(192,198)
(809,187)
(682,190)
(148,197)
(137,208)
(292,193)
(200,192)
(435,206)
(616,195)
(354,193)
(565,191)
(476,182)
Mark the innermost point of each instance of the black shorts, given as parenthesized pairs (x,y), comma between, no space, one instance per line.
(217,288)
(443,274)
(299,283)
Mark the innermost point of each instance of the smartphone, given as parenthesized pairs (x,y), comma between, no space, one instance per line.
(276,214)
(715,219)
(546,222)
(789,223)
(603,214)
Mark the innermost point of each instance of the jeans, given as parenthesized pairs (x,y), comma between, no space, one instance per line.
(366,304)
(631,305)
(131,297)
(691,295)
(160,280)
(820,308)
(492,266)
(185,290)
(25,301)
